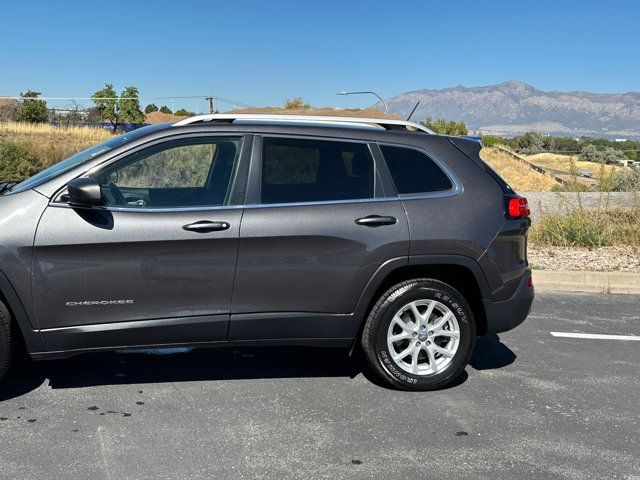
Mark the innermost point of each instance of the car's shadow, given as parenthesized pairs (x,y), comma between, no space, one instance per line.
(225,363)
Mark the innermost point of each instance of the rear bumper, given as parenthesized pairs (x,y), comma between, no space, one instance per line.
(508,314)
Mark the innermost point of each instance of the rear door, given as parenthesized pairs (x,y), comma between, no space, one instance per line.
(318,225)
(156,263)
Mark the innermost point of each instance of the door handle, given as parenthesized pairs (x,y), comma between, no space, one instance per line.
(205,226)
(376,221)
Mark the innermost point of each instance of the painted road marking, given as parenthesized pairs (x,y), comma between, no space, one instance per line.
(595,336)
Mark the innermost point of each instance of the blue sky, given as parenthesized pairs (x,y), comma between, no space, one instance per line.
(263,52)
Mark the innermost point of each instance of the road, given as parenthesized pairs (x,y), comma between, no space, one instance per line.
(530,405)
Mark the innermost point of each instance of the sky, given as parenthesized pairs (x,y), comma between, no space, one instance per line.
(262,52)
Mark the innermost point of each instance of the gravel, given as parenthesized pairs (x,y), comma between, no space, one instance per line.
(603,259)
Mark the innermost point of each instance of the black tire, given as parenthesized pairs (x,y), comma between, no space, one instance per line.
(374,335)
(7,340)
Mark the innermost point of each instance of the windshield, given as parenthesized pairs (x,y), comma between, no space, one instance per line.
(83,157)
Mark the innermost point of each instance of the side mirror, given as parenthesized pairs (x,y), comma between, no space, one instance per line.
(84,191)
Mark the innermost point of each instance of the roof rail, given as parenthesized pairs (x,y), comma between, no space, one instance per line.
(387,124)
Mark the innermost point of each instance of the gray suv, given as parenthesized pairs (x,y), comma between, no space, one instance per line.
(371,234)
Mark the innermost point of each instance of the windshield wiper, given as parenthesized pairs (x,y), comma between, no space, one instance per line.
(7,186)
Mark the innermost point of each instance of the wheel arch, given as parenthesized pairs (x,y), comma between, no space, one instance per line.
(462,273)
(32,339)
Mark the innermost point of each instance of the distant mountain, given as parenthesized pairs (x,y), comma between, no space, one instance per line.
(514,107)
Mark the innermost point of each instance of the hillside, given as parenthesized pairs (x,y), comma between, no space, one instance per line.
(515,107)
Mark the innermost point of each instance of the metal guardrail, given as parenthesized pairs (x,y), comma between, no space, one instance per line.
(531,165)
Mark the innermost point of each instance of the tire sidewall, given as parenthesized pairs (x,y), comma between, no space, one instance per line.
(458,307)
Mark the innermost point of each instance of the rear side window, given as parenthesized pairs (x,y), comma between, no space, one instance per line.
(301,170)
(414,172)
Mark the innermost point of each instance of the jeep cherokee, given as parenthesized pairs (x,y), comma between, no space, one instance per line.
(232,229)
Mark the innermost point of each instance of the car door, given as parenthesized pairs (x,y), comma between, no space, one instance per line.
(156,263)
(318,224)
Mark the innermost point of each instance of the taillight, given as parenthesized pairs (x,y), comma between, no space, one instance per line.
(518,207)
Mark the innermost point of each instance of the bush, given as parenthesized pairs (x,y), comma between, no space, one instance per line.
(579,227)
(295,103)
(32,110)
(17,161)
(165,109)
(446,127)
(152,107)
(627,180)
(591,153)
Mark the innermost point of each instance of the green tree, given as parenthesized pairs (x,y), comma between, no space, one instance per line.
(295,103)
(129,106)
(32,110)
(165,109)
(446,127)
(531,142)
(106,101)
(184,113)
(118,109)
(152,107)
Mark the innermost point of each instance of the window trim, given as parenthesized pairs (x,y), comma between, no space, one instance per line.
(456,188)
(235,187)
(254,187)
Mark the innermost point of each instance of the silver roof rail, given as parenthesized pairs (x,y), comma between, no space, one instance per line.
(387,124)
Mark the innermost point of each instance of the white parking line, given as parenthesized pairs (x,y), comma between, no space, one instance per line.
(595,336)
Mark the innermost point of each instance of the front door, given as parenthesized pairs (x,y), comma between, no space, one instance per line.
(319,230)
(156,263)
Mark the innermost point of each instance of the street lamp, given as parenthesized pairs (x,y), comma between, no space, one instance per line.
(386,107)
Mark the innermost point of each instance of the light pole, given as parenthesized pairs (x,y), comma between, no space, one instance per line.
(386,107)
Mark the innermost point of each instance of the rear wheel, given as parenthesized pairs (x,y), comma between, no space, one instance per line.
(7,340)
(419,335)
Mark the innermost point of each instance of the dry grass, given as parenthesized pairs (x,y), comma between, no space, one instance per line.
(562,163)
(600,227)
(49,143)
(521,177)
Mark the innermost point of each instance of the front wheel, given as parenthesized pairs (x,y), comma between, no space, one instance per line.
(419,335)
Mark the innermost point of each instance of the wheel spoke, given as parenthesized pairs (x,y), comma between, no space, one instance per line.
(401,336)
(403,353)
(414,359)
(442,351)
(417,317)
(446,333)
(429,312)
(432,360)
(401,323)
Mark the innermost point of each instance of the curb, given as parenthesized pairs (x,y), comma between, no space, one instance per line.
(592,282)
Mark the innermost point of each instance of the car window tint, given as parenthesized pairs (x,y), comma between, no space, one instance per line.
(301,170)
(413,171)
(181,173)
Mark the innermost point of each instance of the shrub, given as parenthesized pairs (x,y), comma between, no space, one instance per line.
(579,227)
(295,103)
(17,161)
(165,109)
(627,180)
(446,127)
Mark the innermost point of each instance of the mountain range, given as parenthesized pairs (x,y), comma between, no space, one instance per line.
(514,107)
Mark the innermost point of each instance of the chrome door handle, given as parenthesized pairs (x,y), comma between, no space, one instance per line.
(205,226)
(376,221)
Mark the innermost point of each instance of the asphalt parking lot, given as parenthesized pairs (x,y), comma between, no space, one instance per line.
(530,405)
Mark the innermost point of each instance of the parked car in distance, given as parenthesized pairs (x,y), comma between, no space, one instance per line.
(369,234)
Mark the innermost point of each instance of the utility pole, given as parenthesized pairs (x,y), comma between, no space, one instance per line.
(212,104)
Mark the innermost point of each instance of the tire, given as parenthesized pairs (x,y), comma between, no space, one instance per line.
(392,329)
(7,340)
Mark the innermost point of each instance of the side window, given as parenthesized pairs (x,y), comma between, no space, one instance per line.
(180,173)
(413,171)
(298,170)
